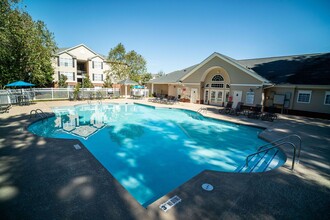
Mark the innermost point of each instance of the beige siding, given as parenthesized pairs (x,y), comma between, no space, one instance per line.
(237,76)
(257,93)
(316,103)
(172,90)
(269,95)
(82,53)
(64,68)
(161,88)
(96,70)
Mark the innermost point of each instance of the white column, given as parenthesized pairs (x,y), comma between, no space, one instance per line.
(152,88)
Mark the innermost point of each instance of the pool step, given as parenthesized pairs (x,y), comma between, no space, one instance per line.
(262,162)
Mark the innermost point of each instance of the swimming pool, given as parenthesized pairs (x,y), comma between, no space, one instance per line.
(152,151)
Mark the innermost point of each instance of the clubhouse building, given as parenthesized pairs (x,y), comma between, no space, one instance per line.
(292,84)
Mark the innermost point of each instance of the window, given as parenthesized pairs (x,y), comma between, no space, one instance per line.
(327,98)
(66,62)
(217,78)
(249,99)
(69,75)
(304,96)
(97,65)
(213,85)
(97,77)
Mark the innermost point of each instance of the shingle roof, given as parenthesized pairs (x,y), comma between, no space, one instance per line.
(67,49)
(128,82)
(311,69)
(173,77)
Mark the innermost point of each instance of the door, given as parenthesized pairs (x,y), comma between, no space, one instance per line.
(193,96)
(219,98)
(206,99)
(237,98)
(179,93)
(216,97)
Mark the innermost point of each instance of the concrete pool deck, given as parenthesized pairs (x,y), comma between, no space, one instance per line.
(44,178)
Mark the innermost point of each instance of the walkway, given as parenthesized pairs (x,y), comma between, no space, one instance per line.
(43,178)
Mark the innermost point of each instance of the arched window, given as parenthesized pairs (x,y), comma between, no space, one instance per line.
(217,78)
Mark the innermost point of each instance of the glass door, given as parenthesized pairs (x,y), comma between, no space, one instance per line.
(219,97)
(213,95)
(206,99)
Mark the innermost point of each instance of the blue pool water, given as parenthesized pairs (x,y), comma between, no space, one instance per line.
(152,151)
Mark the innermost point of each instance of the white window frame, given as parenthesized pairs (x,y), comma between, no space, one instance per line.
(69,76)
(309,92)
(66,62)
(96,75)
(327,93)
(97,64)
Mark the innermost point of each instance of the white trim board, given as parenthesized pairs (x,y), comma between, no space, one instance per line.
(215,54)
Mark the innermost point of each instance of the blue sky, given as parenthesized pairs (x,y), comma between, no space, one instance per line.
(174,34)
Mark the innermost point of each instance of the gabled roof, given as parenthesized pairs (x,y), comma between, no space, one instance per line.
(128,82)
(68,49)
(306,69)
(231,61)
(173,77)
(177,76)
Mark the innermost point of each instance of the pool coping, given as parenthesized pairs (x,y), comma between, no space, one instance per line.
(196,204)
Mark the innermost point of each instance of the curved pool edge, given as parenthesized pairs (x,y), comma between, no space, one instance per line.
(83,104)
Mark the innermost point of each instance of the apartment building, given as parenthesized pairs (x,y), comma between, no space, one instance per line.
(77,63)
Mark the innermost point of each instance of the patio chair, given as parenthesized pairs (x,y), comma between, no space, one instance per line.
(270,115)
(227,108)
(256,112)
(5,108)
(238,109)
(172,100)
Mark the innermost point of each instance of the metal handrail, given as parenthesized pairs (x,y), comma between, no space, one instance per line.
(200,110)
(38,112)
(281,139)
(267,149)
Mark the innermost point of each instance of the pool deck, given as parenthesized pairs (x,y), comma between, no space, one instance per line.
(44,178)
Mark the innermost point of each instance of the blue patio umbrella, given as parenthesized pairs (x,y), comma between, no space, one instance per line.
(19,84)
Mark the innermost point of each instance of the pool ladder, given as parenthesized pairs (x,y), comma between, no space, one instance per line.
(38,113)
(202,109)
(277,143)
(89,102)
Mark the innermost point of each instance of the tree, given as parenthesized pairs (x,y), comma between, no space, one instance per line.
(160,73)
(62,81)
(107,83)
(145,78)
(26,47)
(87,82)
(126,65)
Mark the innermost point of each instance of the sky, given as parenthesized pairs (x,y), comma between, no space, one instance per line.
(174,34)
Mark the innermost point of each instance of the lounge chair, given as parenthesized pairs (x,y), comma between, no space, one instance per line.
(270,115)
(5,108)
(227,108)
(237,110)
(256,112)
